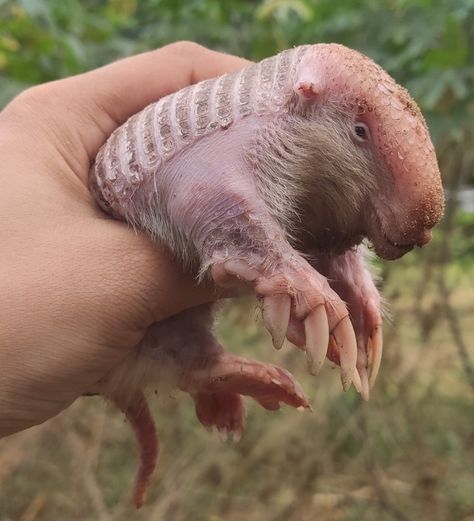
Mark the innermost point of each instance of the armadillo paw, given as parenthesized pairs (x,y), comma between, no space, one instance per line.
(355,358)
(223,410)
(218,391)
(299,304)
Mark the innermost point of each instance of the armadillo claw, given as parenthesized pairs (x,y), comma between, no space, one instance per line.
(356,381)
(223,434)
(346,344)
(234,274)
(316,331)
(375,348)
(241,270)
(236,435)
(276,317)
(364,380)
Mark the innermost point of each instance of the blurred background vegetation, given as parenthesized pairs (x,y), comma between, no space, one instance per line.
(408,454)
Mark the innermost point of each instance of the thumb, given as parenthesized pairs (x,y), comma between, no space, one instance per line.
(119,90)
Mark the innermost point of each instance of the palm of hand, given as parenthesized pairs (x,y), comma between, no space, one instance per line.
(80,288)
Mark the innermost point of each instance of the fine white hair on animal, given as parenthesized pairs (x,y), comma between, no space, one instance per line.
(148,367)
(169,352)
(295,156)
(152,217)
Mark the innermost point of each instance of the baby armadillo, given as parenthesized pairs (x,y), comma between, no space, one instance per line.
(270,177)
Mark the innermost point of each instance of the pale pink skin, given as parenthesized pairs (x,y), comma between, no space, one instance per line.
(238,176)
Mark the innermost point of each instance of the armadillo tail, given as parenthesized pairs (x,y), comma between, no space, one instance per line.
(138,414)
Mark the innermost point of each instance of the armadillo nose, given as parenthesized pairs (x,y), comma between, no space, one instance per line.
(425,238)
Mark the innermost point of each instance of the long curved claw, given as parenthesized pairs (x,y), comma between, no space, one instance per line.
(236,436)
(276,317)
(223,434)
(316,330)
(346,343)
(357,382)
(364,380)
(375,348)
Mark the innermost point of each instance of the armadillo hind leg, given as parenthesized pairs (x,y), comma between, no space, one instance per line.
(137,412)
(224,410)
(184,345)
(218,386)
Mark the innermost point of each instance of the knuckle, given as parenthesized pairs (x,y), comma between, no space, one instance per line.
(30,97)
(36,113)
(34,100)
(186,48)
(21,109)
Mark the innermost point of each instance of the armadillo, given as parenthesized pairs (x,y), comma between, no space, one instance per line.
(269,179)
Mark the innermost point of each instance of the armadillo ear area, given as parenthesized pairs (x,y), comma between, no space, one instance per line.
(306,89)
(308,80)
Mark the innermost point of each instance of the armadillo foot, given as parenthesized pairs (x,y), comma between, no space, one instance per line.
(218,387)
(225,411)
(138,414)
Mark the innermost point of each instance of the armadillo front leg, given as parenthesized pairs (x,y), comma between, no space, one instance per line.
(351,278)
(247,246)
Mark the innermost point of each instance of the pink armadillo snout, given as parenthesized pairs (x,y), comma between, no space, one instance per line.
(418,193)
(427,208)
(395,230)
(425,238)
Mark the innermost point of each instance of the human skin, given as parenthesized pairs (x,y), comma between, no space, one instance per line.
(79,290)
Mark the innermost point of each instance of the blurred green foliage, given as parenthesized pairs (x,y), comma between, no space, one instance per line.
(428,45)
(464,246)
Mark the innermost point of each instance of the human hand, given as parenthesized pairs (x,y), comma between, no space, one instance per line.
(78,290)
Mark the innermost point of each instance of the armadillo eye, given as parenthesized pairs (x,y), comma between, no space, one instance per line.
(361,131)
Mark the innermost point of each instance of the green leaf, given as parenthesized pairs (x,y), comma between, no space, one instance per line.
(282,7)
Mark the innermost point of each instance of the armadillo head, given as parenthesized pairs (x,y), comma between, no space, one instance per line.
(408,197)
